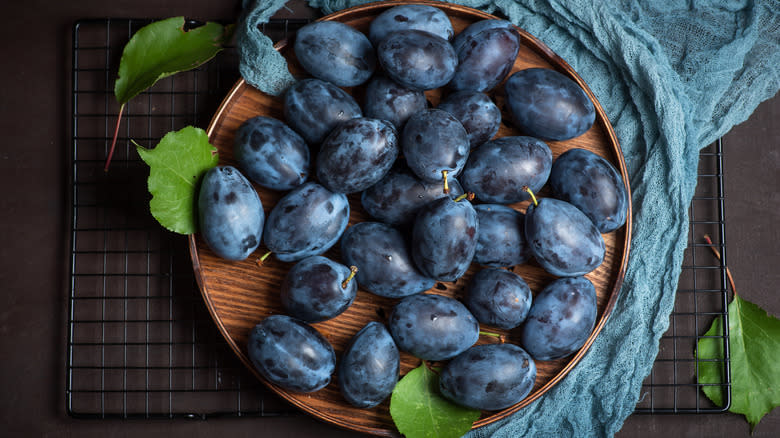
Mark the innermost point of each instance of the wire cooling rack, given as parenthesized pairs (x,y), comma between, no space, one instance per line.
(141,344)
(672,386)
(140,341)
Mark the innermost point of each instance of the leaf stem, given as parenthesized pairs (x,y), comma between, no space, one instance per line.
(435,370)
(718,256)
(116,134)
(352,271)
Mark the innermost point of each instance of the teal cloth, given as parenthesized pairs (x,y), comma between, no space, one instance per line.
(672,76)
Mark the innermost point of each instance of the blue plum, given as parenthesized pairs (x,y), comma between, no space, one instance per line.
(499,298)
(291,354)
(357,154)
(369,367)
(488,377)
(467,35)
(592,184)
(501,238)
(434,141)
(307,221)
(433,327)
(562,239)
(387,100)
(406,17)
(498,170)
(382,256)
(476,112)
(271,154)
(396,198)
(486,54)
(335,52)
(546,104)
(313,107)
(561,319)
(444,238)
(317,288)
(230,213)
(417,59)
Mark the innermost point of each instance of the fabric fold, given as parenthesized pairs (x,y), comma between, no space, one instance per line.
(259,64)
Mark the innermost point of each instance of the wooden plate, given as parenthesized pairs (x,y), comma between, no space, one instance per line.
(240,294)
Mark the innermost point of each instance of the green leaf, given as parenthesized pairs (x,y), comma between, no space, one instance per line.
(709,353)
(164,48)
(754,345)
(175,168)
(419,410)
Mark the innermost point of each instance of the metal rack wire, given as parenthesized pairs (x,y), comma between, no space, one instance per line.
(673,387)
(140,341)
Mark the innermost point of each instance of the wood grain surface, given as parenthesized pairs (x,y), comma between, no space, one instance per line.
(240,294)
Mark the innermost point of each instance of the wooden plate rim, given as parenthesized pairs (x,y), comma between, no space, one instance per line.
(556,61)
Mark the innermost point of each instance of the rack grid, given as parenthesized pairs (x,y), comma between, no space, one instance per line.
(702,295)
(141,344)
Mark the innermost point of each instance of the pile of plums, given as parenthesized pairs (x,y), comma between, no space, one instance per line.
(438,186)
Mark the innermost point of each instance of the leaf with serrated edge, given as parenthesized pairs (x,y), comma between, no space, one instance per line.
(176,165)
(419,410)
(164,48)
(754,346)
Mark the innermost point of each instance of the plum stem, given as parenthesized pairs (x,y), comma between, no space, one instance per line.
(352,271)
(446,183)
(500,337)
(113,142)
(718,256)
(468,196)
(262,258)
(531,192)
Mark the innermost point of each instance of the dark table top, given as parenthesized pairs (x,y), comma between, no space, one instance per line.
(36,39)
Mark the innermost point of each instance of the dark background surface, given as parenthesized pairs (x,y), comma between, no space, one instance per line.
(34,101)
